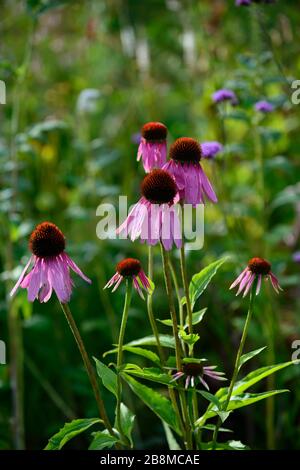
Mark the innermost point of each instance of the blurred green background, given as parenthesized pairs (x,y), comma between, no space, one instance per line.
(64,149)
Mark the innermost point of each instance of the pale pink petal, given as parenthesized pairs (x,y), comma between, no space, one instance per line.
(74,267)
(207,186)
(138,288)
(118,283)
(203,382)
(258,284)
(238,279)
(13,291)
(187,381)
(249,284)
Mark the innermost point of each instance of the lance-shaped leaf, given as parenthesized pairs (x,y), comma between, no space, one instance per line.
(201,280)
(69,431)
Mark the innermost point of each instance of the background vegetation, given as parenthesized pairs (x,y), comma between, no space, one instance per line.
(61,156)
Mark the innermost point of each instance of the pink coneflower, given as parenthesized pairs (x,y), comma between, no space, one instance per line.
(257,269)
(153,145)
(154,217)
(195,370)
(130,268)
(50,266)
(184,165)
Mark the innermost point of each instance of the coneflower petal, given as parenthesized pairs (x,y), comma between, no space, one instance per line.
(17,285)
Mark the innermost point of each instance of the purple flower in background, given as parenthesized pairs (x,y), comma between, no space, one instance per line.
(210,149)
(154,217)
(153,145)
(130,268)
(258,268)
(185,166)
(264,106)
(225,95)
(136,137)
(296,257)
(242,2)
(51,266)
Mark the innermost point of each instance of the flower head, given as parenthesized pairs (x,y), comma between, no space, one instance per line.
(154,217)
(184,165)
(257,269)
(264,106)
(193,371)
(211,149)
(50,266)
(153,145)
(130,268)
(225,95)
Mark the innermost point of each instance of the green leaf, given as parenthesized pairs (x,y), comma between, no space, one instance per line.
(159,404)
(230,445)
(70,430)
(257,375)
(243,385)
(151,373)
(108,377)
(127,422)
(197,317)
(165,340)
(167,322)
(201,280)
(172,443)
(223,415)
(189,339)
(210,397)
(138,351)
(236,402)
(246,357)
(102,440)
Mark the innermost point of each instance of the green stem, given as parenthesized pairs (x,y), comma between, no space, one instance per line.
(156,334)
(237,361)
(150,308)
(167,276)
(88,366)
(168,282)
(120,352)
(189,310)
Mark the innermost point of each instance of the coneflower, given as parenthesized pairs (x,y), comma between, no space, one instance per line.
(154,217)
(153,145)
(51,266)
(225,95)
(130,268)
(194,371)
(257,269)
(184,164)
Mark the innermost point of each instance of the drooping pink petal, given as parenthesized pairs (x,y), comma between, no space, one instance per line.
(208,189)
(17,285)
(258,284)
(118,283)
(74,267)
(177,376)
(249,285)
(244,282)
(203,382)
(275,283)
(34,281)
(138,288)
(238,279)
(112,281)
(187,381)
